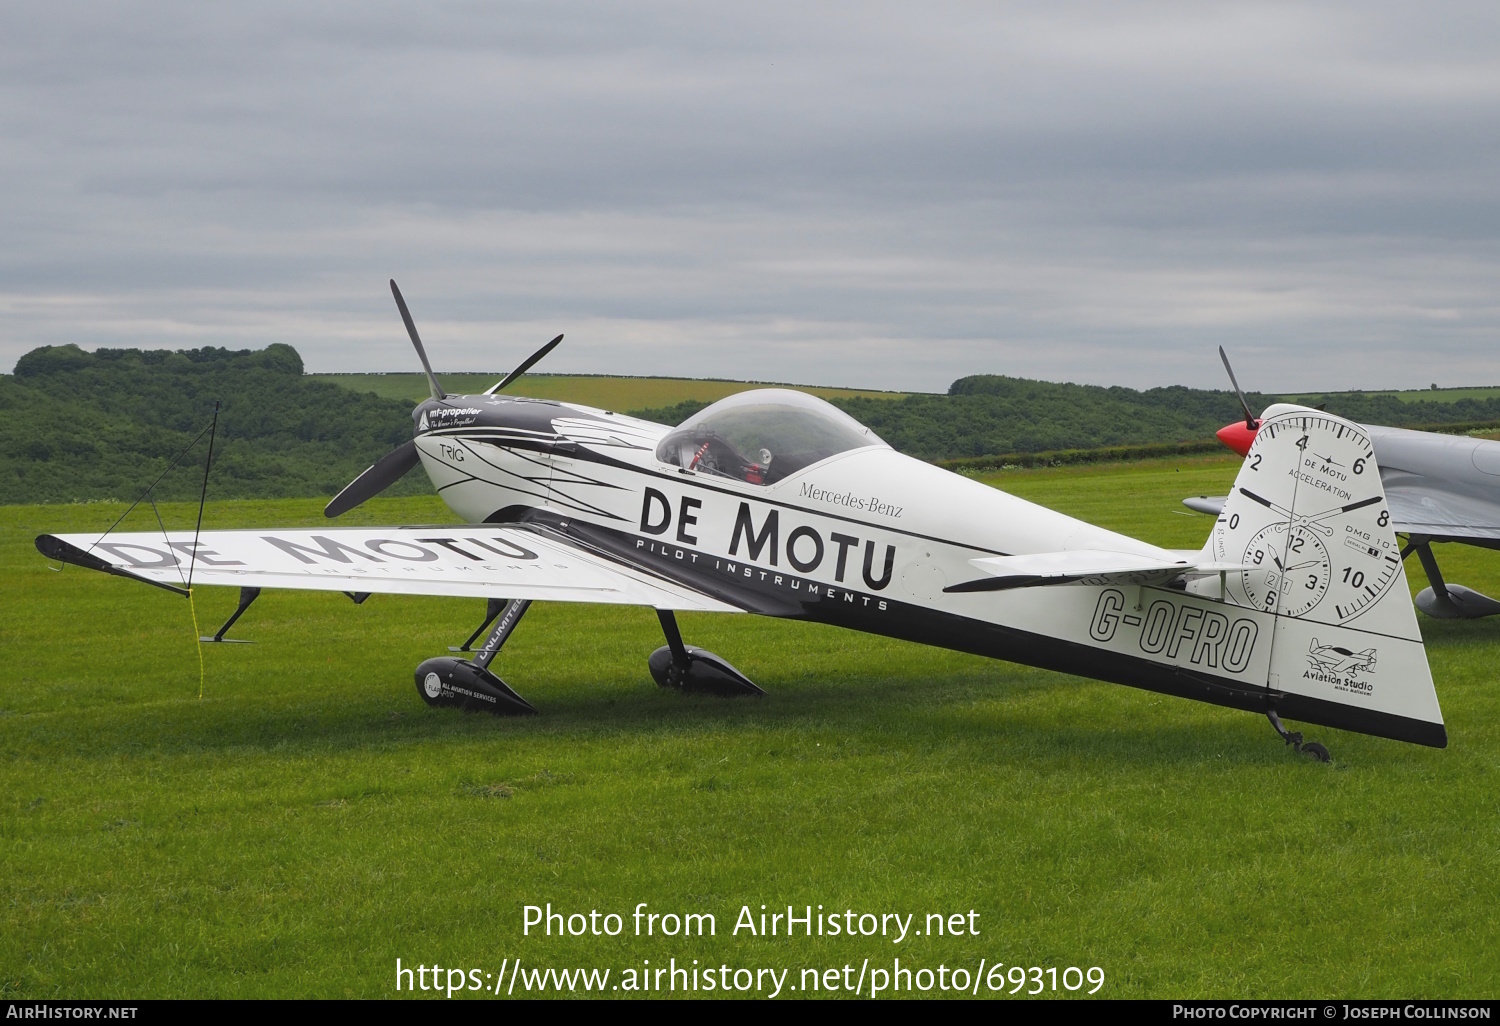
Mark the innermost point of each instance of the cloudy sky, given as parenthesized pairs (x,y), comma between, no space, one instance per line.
(866,194)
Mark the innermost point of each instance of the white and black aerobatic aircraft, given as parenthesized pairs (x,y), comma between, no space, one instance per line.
(775,502)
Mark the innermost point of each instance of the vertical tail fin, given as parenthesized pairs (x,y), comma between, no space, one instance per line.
(1309,513)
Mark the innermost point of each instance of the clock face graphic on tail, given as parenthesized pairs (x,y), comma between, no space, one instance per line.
(1316,540)
(1292,569)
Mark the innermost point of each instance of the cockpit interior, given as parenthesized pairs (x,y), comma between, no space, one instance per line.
(763,436)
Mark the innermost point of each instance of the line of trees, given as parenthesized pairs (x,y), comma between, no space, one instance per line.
(991,414)
(77,425)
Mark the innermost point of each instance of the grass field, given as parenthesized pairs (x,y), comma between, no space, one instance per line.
(309,820)
(608,393)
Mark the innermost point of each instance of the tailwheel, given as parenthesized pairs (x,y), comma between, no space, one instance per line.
(1311,749)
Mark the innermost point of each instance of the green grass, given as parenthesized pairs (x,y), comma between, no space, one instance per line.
(597,390)
(309,820)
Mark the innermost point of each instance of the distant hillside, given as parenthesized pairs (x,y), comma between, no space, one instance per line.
(1415,395)
(1409,409)
(607,392)
(988,413)
(660,394)
(76,425)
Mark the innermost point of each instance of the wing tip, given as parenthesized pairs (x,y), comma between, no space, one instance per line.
(54,547)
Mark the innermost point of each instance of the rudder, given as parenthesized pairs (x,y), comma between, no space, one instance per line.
(1308,513)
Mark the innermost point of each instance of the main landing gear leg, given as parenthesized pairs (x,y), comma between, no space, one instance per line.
(686,668)
(1294,738)
(247,596)
(492,608)
(1443,600)
(465,684)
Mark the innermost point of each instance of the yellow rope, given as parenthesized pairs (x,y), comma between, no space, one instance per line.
(198,640)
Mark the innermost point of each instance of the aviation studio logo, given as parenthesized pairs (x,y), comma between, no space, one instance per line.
(1338,666)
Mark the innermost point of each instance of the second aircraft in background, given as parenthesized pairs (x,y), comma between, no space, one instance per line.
(1441,488)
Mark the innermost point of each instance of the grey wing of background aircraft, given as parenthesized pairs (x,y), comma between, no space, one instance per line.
(1441,488)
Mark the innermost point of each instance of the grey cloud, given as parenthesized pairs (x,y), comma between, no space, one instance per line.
(889,195)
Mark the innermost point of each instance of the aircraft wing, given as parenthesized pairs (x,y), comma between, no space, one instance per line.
(1085,566)
(482,561)
(1418,508)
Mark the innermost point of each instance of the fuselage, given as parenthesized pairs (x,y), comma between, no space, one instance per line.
(870,521)
(867,539)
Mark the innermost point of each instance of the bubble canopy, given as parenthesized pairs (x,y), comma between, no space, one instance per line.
(763,436)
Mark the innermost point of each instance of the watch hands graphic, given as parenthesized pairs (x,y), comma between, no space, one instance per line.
(1338,560)
(1291,590)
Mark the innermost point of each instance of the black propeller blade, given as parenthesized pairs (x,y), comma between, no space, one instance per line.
(525,365)
(1250,421)
(411,329)
(385,472)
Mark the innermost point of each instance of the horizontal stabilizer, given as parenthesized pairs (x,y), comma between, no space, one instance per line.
(1082,566)
(1417,506)
(1426,506)
(1213,505)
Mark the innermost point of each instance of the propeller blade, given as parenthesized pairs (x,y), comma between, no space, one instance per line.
(1250,421)
(383,473)
(411,329)
(526,366)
